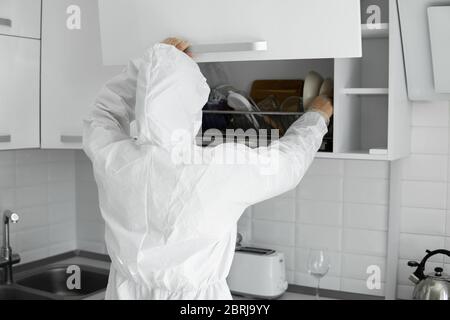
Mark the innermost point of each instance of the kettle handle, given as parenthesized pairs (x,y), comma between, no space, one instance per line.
(421,266)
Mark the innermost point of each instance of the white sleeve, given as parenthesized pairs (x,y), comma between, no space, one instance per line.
(113,111)
(279,167)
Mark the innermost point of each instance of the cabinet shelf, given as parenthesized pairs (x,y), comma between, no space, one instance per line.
(381,32)
(365,91)
(262,113)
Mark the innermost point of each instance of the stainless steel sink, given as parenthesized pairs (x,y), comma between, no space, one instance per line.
(12,292)
(53,279)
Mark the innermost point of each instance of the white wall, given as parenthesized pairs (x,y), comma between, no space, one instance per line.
(40,186)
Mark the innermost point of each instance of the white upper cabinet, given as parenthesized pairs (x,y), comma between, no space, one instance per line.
(72,70)
(233,30)
(20,18)
(19,93)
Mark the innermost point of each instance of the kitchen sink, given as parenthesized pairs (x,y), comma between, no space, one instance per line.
(11,292)
(53,279)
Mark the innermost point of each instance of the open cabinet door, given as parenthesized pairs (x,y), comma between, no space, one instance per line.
(233,30)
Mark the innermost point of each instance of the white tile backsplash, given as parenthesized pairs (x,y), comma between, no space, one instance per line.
(424,194)
(423,221)
(361,190)
(40,186)
(430,114)
(413,246)
(278,209)
(429,140)
(425,167)
(318,237)
(367,169)
(326,213)
(366,216)
(365,242)
(355,266)
(279,233)
(321,188)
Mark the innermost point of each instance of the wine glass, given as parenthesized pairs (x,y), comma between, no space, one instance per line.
(318,265)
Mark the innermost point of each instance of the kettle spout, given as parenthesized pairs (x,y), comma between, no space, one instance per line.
(413,278)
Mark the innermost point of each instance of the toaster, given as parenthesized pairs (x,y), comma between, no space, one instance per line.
(257,273)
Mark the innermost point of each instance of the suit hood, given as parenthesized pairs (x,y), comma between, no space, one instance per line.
(171,93)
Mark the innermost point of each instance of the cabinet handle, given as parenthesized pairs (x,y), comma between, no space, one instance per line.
(71,139)
(229,47)
(6,138)
(5,22)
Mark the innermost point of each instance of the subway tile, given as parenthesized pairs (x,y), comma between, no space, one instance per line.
(425,167)
(61,191)
(92,231)
(31,196)
(280,209)
(7,176)
(327,282)
(67,156)
(355,266)
(92,246)
(84,171)
(361,287)
(429,140)
(318,237)
(413,246)
(324,213)
(360,190)
(423,221)
(430,114)
(367,169)
(326,167)
(63,247)
(366,216)
(405,292)
(7,158)
(33,255)
(61,212)
(323,188)
(31,156)
(424,194)
(80,155)
(7,199)
(61,171)
(447,229)
(301,262)
(31,174)
(32,239)
(373,243)
(62,232)
(32,217)
(271,232)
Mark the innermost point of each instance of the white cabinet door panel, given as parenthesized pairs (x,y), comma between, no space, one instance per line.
(19,93)
(72,72)
(20,18)
(292,29)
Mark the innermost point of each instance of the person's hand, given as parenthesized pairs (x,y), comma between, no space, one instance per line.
(323,105)
(180,44)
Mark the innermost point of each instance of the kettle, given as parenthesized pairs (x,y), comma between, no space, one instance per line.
(432,286)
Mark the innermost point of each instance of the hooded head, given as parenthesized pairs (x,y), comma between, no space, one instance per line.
(171,92)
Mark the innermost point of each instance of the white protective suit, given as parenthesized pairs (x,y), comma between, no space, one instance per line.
(171,227)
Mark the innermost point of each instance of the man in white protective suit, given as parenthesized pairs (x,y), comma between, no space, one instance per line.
(171,223)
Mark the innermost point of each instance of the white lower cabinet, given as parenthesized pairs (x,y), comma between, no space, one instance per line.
(19,93)
(72,70)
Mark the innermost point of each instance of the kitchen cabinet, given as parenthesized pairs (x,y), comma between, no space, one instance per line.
(72,71)
(20,18)
(234,30)
(19,92)
(372,111)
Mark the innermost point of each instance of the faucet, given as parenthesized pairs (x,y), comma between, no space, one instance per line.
(7,257)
